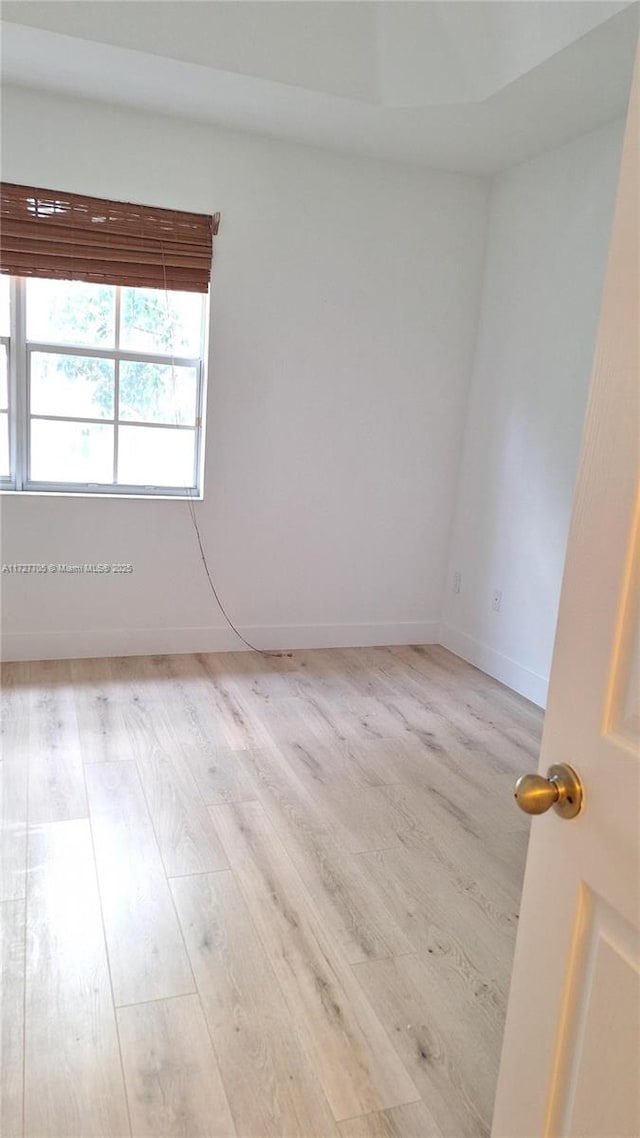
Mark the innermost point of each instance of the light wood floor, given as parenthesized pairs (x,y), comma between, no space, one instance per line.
(258,897)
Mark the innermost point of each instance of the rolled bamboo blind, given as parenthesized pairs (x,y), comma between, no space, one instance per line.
(46,233)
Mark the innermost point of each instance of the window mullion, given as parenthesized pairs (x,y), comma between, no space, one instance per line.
(116,390)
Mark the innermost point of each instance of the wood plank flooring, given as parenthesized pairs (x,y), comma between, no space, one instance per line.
(252,896)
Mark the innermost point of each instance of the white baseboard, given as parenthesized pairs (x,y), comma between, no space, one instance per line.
(78,644)
(509,672)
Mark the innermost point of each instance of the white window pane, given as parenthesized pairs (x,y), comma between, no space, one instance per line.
(167,323)
(78,386)
(4,393)
(158,393)
(71,452)
(71,312)
(4,305)
(4,444)
(153,456)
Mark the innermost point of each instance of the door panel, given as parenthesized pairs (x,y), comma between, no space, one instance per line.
(599,1053)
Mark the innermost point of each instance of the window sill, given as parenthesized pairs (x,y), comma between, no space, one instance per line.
(7,492)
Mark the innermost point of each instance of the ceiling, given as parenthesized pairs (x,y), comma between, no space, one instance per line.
(468,85)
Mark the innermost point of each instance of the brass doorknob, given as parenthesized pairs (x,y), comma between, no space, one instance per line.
(561,789)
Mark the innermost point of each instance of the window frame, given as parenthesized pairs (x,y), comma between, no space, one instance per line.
(19,352)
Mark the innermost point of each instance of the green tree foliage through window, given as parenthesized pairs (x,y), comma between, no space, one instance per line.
(150,321)
(114,377)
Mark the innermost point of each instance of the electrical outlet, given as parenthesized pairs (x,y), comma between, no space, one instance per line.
(457,582)
(496,600)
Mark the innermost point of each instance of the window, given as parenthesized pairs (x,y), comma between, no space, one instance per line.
(102,332)
(106,391)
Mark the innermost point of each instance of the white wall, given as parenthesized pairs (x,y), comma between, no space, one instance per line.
(548,239)
(345,300)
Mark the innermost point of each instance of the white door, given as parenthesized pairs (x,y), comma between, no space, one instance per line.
(571,1056)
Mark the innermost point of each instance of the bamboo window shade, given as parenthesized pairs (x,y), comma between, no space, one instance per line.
(46,233)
